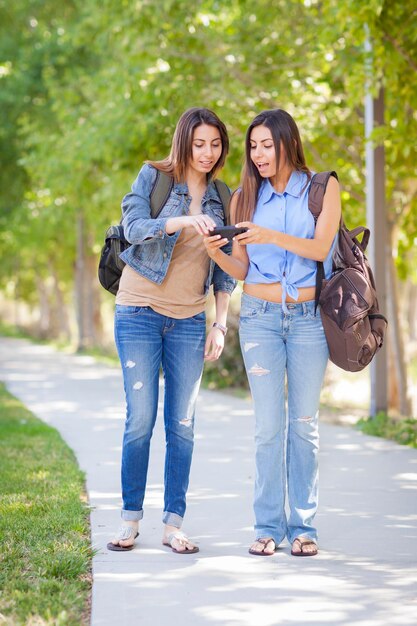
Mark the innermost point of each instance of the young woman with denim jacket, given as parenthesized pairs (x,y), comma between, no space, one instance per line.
(160,318)
(280,334)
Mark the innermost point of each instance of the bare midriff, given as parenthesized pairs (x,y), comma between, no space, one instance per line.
(272,292)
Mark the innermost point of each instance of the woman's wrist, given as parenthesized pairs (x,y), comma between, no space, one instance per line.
(221,328)
(276,237)
(173,224)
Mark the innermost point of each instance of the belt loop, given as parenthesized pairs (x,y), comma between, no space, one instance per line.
(305,309)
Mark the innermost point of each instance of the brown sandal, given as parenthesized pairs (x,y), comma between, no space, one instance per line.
(264,541)
(301,552)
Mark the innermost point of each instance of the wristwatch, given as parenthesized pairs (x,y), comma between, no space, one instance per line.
(222,328)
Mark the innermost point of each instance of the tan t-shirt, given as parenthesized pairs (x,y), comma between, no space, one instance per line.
(181,294)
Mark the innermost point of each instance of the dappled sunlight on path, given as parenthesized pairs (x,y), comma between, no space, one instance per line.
(365,573)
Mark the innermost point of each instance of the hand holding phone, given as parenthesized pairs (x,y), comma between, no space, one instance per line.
(228,232)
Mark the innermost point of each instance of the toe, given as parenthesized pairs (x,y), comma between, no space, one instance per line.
(310,549)
(178,541)
(181,544)
(266,548)
(304,546)
(256,547)
(270,547)
(178,545)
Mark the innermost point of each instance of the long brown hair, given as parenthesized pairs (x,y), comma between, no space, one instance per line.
(283,129)
(176,163)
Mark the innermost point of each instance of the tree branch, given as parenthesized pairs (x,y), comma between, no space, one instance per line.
(400,51)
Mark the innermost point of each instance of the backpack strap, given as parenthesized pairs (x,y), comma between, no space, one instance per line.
(365,232)
(317,190)
(315,204)
(225,195)
(160,192)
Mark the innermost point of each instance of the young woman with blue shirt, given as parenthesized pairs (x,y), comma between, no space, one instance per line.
(282,339)
(160,317)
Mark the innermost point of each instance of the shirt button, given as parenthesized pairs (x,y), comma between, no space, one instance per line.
(165,255)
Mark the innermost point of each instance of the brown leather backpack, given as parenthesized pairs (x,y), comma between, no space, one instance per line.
(349,310)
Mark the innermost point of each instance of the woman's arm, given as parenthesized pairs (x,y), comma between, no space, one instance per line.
(138,224)
(316,248)
(235,264)
(201,223)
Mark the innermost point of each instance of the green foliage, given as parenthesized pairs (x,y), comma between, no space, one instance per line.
(6,330)
(90,89)
(45,559)
(402,431)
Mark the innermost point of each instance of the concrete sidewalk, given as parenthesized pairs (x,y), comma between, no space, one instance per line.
(365,573)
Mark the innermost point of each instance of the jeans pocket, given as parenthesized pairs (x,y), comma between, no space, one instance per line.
(248,312)
(124,310)
(200,318)
(314,320)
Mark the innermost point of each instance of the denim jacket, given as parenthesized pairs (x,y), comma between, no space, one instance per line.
(151,250)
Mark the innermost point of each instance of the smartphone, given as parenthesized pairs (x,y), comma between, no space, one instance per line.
(228,231)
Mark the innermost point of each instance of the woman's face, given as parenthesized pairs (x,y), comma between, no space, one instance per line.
(262,152)
(206,149)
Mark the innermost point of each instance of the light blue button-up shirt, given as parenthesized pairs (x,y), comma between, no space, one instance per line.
(288,213)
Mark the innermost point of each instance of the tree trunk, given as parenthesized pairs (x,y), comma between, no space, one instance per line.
(96,321)
(87,298)
(412,310)
(44,309)
(80,299)
(59,311)
(403,405)
(393,389)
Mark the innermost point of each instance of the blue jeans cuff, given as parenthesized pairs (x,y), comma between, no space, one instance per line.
(172,519)
(131,516)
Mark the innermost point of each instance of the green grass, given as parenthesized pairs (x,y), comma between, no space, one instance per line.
(402,430)
(45,556)
(6,330)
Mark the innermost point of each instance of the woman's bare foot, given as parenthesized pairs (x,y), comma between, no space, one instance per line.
(303,546)
(264,546)
(125,538)
(178,541)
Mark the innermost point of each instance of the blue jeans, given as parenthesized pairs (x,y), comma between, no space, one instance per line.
(146,340)
(275,344)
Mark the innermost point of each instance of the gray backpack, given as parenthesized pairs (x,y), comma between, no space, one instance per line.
(352,322)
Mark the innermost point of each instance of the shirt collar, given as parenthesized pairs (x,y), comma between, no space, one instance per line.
(294,186)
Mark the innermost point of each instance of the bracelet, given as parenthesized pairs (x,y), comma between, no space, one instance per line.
(222,328)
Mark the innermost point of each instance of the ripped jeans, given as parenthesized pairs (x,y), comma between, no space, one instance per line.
(275,344)
(146,340)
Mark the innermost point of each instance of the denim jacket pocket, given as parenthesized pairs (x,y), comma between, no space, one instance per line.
(218,213)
